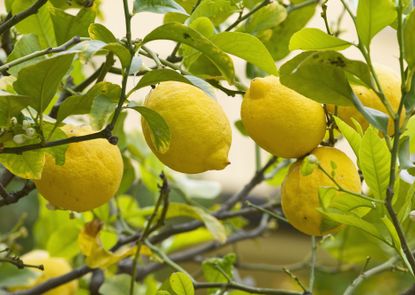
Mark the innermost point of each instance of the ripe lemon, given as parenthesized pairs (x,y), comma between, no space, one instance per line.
(280,120)
(53,267)
(200,132)
(391,86)
(90,176)
(299,193)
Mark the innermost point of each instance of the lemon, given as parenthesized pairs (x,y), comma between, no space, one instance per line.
(299,193)
(391,86)
(280,120)
(53,267)
(90,176)
(200,132)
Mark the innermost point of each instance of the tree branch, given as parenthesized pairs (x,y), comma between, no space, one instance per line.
(35,54)
(250,13)
(8,23)
(388,265)
(191,253)
(16,196)
(83,270)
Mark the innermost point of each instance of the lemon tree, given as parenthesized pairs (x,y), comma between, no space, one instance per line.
(106,135)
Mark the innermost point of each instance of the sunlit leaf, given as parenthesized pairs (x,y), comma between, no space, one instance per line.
(181,283)
(157,6)
(316,39)
(372,16)
(160,131)
(156,76)
(96,256)
(212,224)
(180,33)
(374,159)
(100,32)
(247,47)
(41,80)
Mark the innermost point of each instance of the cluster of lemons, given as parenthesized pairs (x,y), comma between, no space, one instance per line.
(278,119)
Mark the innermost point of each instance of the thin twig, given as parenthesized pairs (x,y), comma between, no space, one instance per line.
(8,23)
(162,199)
(16,196)
(388,265)
(250,13)
(38,53)
(313,264)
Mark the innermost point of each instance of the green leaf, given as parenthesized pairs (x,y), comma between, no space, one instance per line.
(351,135)
(100,32)
(409,98)
(180,33)
(118,285)
(266,18)
(41,80)
(216,10)
(101,110)
(247,47)
(278,38)
(409,40)
(317,76)
(27,44)
(156,76)
(202,84)
(28,165)
(241,128)
(347,246)
(11,105)
(39,24)
(212,224)
(64,241)
(121,52)
(316,39)
(82,104)
(11,276)
(181,284)
(68,26)
(375,117)
(91,47)
(404,202)
(160,131)
(353,220)
(210,268)
(374,159)
(372,16)
(52,133)
(404,153)
(392,231)
(157,6)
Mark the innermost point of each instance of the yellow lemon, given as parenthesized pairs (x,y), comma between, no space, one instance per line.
(200,132)
(53,267)
(280,120)
(299,193)
(391,86)
(91,174)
